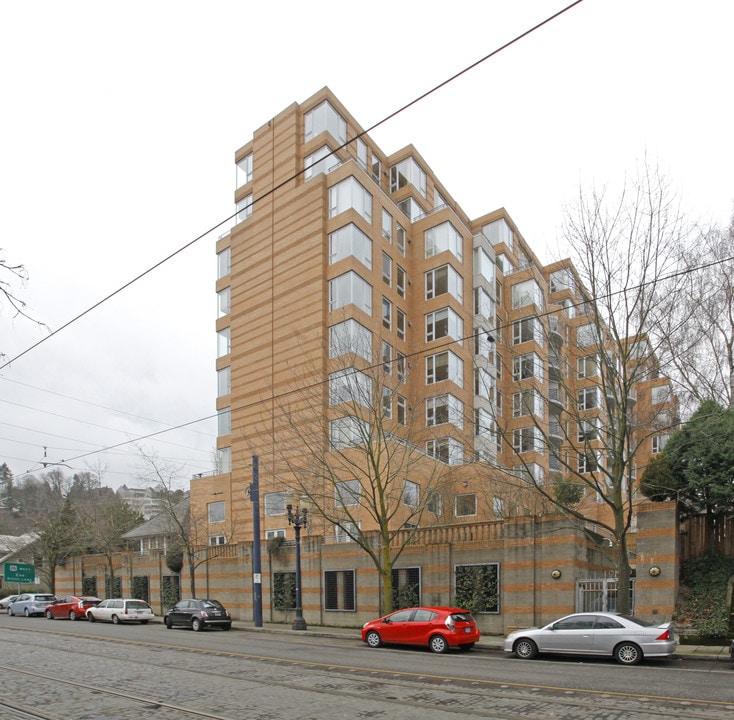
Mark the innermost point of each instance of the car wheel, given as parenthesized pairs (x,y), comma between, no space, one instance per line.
(373,639)
(26,612)
(72,615)
(196,625)
(627,653)
(438,644)
(49,615)
(525,649)
(115,620)
(167,622)
(10,612)
(466,647)
(90,617)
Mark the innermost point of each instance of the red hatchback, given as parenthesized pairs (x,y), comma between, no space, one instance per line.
(73,607)
(440,628)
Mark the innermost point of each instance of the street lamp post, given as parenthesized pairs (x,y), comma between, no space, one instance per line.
(298,516)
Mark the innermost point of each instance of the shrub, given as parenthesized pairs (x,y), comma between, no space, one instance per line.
(702,602)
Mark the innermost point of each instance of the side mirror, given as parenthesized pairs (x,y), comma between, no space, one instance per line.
(386,620)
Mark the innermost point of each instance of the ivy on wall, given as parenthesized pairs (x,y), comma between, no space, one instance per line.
(477,588)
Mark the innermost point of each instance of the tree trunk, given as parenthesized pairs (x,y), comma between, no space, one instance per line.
(386,571)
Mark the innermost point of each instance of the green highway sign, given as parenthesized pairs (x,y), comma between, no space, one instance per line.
(19,573)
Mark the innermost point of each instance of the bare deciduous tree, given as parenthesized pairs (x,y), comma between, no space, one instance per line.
(698,333)
(348,446)
(625,250)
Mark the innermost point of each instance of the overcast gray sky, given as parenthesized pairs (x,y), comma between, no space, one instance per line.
(118,132)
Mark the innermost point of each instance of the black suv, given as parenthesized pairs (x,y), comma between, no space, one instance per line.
(198,614)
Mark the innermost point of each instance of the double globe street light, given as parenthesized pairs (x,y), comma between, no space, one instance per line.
(298,517)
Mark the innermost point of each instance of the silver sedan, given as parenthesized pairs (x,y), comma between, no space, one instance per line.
(625,638)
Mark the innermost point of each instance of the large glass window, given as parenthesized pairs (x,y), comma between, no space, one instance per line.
(562,280)
(499,232)
(587,366)
(447,450)
(526,330)
(527,293)
(527,439)
(400,280)
(350,194)
(482,423)
(347,432)
(325,118)
(347,493)
(244,170)
(444,366)
(350,241)
(527,402)
(224,422)
(588,398)
(484,383)
(483,304)
(659,442)
(661,394)
(386,225)
(586,335)
(350,337)
(244,208)
(465,505)
(527,366)
(275,503)
(340,592)
(216,512)
(402,404)
(386,314)
(223,302)
(400,238)
(361,146)
(223,345)
(400,324)
(224,383)
(445,408)
(350,288)
(386,269)
(483,265)
(442,280)
(223,460)
(406,172)
(223,263)
(443,237)
(411,209)
(411,493)
(350,385)
(320,161)
(444,323)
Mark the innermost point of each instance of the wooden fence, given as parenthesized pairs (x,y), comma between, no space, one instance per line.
(694,539)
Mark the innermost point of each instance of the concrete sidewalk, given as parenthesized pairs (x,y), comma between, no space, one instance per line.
(487,643)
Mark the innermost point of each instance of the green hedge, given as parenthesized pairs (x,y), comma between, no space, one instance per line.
(702,602)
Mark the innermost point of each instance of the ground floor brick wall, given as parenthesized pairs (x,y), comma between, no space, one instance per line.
(539,561)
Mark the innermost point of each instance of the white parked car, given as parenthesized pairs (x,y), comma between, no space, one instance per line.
(6,601)
(119,610)
(30,604)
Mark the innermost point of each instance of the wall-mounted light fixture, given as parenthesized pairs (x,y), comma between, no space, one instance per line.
(556,574)
(654,571)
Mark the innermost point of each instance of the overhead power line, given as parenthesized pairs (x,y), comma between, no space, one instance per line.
(286,182)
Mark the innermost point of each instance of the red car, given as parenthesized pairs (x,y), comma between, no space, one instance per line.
(73,607)
(439,628)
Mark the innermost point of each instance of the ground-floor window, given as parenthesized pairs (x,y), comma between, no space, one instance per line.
(89,585)
(284,590)
(141,587)
(406,587)
(340,590)
(170,590)
(477,588)
(112,586)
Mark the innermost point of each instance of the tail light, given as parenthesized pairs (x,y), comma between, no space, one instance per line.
(665,635)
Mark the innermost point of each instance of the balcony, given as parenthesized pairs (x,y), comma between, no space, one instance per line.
(556,397)
(555,432)
(555,367)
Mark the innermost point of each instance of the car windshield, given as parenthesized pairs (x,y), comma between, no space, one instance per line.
(42,598)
